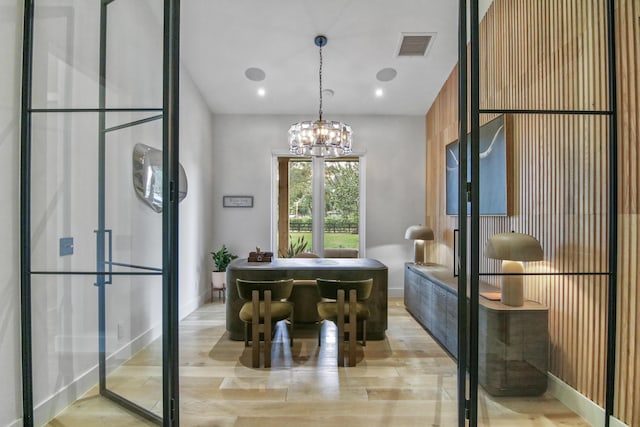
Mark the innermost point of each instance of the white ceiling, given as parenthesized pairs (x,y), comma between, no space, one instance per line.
(220,39)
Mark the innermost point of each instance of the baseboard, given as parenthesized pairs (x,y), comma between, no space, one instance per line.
(579,403)
(195,303)
(57,402)
(395,292)
(617,423)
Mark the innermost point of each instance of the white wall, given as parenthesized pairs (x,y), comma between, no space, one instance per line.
(64,196)
(10,51)
(395,181)
(197,210)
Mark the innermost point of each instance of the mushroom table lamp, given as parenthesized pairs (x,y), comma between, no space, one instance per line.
(513,249)
(418,233)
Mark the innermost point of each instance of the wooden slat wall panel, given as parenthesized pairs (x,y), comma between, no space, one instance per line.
(552,55)
(628,67)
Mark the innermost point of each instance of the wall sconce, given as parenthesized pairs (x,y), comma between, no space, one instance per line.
(513,249)
(418,233)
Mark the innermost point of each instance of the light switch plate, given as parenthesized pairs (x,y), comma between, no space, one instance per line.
(66,246)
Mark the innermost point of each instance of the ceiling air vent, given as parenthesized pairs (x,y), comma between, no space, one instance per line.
(415,44)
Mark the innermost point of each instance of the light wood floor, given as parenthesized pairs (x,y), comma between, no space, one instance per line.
(405,380)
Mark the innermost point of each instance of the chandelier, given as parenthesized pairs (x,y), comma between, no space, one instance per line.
(322,138)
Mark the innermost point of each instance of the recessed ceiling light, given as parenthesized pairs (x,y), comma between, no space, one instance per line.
(254,74)
(262,92)
(379,93)
(386,74)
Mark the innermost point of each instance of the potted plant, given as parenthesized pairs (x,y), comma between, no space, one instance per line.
(221,259)
(294,248)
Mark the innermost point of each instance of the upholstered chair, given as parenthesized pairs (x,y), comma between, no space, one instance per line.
(306,255)
(266,304)
(345,305)
(340,253)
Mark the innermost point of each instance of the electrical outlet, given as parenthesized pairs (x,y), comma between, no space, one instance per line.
(120,331)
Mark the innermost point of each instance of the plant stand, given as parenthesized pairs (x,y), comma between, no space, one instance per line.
(218,283)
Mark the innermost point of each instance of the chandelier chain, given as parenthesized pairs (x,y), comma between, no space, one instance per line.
(320,138)
(320,73)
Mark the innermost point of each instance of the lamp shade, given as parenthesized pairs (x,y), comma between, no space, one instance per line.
(419,232)
(514,247)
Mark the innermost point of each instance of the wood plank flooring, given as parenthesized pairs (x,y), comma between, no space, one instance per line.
(404,380)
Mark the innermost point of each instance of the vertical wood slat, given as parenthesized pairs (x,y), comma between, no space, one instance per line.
(551,54)
(627,376)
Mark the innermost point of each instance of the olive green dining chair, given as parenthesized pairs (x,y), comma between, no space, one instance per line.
(305,296)
(345,304)
(265,305)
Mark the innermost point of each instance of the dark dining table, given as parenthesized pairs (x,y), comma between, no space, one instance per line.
(309,269)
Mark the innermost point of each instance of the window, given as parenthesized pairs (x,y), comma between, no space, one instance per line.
(315,214)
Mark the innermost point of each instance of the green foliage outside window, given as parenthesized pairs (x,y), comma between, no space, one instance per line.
(342,205)
(342,190)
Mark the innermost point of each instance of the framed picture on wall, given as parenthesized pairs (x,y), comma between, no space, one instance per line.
(495,169)
(237,201)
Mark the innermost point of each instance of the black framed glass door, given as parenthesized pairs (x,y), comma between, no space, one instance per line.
(99,265)
(567,111)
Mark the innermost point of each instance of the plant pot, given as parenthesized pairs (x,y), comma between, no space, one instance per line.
(218,283)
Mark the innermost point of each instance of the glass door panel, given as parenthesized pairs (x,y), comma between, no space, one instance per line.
(133,246)
(64,341)
(133,340)
(134,54)
(342,207)
(64,191)
(95,263)
(65,54)
(300,206)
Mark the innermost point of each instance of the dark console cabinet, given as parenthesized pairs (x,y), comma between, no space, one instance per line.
(435,307)
(513,342)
